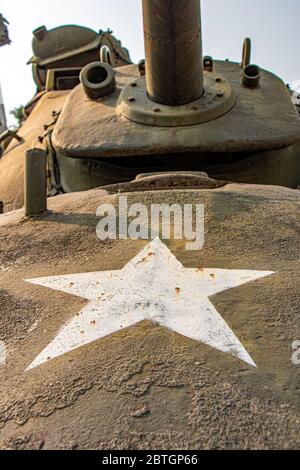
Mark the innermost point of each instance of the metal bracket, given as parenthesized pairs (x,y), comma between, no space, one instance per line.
(9,133)
(135,104)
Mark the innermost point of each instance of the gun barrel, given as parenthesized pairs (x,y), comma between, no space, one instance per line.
(173,46)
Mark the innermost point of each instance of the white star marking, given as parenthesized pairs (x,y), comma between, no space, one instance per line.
(153,286)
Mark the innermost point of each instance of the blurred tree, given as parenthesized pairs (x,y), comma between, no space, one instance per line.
(18,114)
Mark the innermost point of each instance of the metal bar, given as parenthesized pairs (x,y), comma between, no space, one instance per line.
(35,182)
(8,133)
(173,46)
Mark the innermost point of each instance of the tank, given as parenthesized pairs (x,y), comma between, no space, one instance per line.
(145,342)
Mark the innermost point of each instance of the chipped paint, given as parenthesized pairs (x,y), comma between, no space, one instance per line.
(153,286)
(2,353)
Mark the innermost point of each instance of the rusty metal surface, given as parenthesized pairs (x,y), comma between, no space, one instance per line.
(262,119)
(195,396)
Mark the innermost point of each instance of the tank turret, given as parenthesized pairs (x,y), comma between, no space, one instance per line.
(182,112)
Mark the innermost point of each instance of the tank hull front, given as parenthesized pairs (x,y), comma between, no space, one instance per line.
(146,386)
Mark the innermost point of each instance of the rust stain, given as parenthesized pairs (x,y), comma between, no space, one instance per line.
(146,257)
(178,290)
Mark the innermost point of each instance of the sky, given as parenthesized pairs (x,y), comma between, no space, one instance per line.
(273,26)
